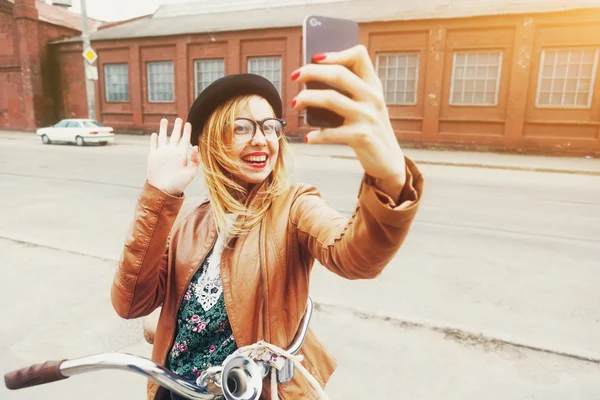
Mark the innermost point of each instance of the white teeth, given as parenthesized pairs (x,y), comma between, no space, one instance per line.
(256,159)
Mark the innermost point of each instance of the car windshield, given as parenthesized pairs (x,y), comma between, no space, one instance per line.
(91,124)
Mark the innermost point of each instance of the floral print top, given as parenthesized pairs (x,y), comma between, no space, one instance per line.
(204,337)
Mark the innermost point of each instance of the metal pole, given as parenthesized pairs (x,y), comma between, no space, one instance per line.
(89,83)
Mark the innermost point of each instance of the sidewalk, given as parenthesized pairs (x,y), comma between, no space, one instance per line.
(474,159)
(518,162)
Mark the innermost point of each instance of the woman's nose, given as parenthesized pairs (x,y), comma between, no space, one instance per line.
(259,138)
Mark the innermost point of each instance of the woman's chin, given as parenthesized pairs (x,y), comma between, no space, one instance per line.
(256,178)
(253,174)
(252,177)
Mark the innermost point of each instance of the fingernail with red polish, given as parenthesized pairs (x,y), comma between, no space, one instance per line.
(306,139)
(294,102)
(295,74)
(319,57)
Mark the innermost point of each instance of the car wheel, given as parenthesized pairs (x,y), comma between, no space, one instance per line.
(46,139)
(79,141)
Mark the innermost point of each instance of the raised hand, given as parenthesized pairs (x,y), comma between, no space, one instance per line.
(171,166)
(367,127)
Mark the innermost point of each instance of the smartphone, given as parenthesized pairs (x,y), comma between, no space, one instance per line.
(321,35)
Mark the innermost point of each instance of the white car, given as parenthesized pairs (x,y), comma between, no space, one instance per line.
(78,131)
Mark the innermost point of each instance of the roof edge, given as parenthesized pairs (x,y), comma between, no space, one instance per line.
(108,25)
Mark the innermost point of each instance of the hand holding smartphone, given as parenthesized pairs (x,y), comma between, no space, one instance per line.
(358,118)
(323,35)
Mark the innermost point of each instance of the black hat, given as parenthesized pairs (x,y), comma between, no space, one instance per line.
(226,88)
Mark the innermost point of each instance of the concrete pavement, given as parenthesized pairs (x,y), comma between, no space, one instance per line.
(377,358)
(495,257)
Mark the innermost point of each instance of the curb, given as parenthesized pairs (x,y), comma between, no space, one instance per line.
(513,168)
(473,165)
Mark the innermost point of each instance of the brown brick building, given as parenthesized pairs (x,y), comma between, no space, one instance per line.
(470,72)
(27,74)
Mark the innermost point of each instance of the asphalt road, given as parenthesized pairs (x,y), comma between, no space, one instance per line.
(509,255)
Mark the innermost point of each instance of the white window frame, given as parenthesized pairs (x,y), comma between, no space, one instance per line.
(552,78)
(278,57)
(498,77)
(150,100)
(107,83)
(197,64)
(407,54)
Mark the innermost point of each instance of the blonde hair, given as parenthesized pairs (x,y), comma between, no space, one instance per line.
(227,196)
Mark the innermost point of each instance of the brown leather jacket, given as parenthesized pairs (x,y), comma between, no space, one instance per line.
(266,272)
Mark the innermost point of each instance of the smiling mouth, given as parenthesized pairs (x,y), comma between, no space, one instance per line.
(255,159)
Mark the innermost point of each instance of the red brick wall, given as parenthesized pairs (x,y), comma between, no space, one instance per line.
(514,122)
(118,114)
(12,111)
(139,113)
(27,71)
(50,97)
(70,81)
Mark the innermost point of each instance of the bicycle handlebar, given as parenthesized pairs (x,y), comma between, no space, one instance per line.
(34,375)
(52,371)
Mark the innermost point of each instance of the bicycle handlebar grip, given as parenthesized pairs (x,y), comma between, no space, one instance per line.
(34,375)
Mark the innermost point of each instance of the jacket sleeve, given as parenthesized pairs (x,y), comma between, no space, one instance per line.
(138,287)
(359,247)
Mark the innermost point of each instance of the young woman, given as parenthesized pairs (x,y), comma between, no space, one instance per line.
(234,268)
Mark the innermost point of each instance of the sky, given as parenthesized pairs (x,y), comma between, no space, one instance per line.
(117,10)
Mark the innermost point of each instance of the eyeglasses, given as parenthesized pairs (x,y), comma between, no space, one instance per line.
(244,129)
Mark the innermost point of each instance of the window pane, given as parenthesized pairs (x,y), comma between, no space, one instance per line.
(161,82)
(546,85)
(470,72)
(582,99)
(206,72)
(456,98)
(584,85)
(567,78)
(479,97)
(573,70)
(116,82)
(399,73)
(267,67)
(91,124)
(569,99)
(475,78)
